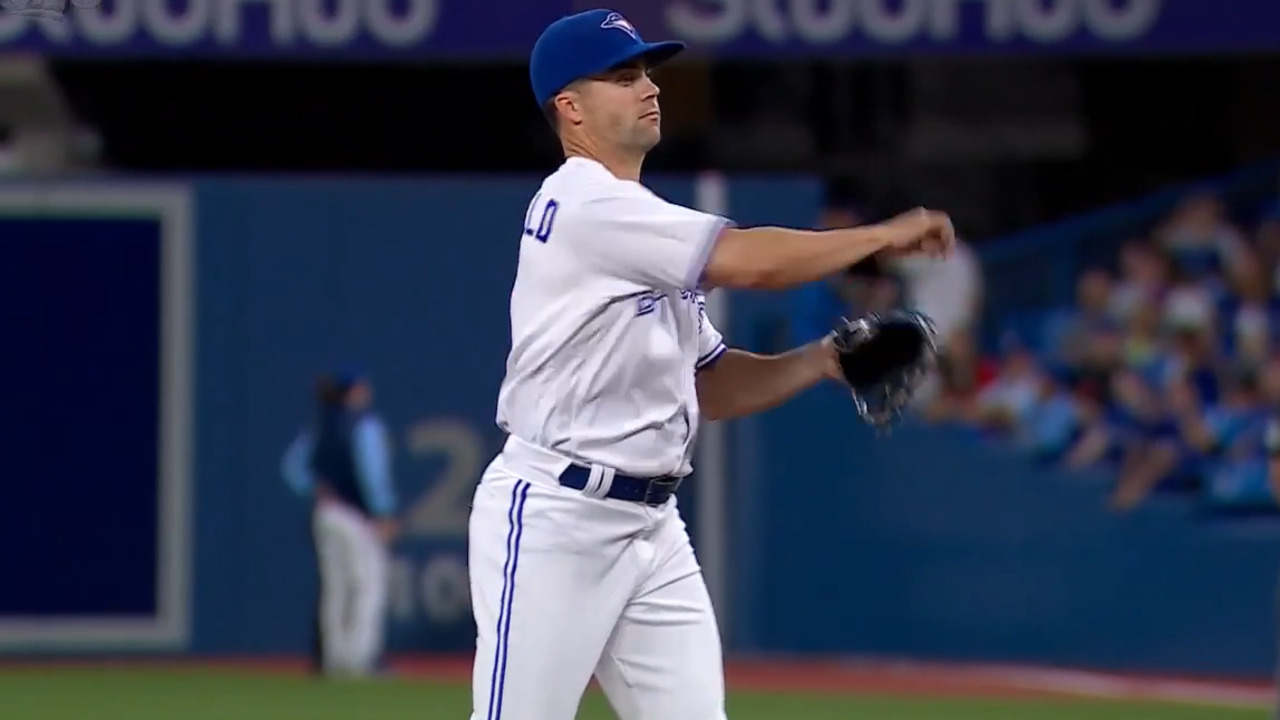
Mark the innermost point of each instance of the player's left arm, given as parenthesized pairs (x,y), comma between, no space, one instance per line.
(732,383)
(373,467)
(742,383)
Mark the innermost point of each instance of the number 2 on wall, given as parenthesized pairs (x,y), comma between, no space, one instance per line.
(444,509)
(543,230)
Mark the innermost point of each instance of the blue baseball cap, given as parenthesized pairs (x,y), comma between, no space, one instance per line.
(589,43)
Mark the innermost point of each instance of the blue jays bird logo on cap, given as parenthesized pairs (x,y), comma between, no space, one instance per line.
(615,20)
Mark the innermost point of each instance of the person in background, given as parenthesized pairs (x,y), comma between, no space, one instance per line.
(1157,402)
(1052,424)
(1142,434)
(1205,247)
(1098,441)
(1144,343)
(1218,445)
(1234,433)
(1006,401)
(1145,273)
(1267,238)
(861,287)
(1072,335)
(1193,357)
(948,290)
(342,462)
(1250,319)
(1192,303)
(963,373)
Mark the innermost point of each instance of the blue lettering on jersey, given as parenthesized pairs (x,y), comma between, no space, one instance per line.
(700,299)
(648,302)
(543,231)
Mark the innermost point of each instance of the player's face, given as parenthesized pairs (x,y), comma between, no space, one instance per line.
(621,108)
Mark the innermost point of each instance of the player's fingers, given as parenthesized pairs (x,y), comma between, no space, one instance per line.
(924,245)
(918,217)
(945,243)
(944,231)
(939,222)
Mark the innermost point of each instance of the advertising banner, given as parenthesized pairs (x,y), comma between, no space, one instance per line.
(506,29)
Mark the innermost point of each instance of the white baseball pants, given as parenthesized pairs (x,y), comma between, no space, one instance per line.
(566,586)
(353,589)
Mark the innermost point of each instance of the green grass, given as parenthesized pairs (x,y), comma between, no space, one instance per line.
(184,694)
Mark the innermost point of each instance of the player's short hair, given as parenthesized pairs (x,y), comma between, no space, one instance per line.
(549,108)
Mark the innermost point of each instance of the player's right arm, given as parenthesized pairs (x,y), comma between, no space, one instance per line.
(295,465)
(635,235)
(776,258)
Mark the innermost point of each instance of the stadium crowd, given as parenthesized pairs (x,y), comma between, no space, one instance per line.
(1165,372)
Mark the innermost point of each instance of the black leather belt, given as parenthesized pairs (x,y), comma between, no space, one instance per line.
(650,491)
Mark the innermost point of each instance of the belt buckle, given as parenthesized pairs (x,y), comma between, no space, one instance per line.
(664,483)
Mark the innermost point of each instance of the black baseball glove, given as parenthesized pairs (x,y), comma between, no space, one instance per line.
(884,358)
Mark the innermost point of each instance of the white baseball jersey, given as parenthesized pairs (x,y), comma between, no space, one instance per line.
(607,324)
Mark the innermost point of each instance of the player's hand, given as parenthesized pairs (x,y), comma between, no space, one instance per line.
(828,358)
(920,231)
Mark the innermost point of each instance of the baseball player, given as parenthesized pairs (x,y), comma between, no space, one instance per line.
(343,464)
(580,563)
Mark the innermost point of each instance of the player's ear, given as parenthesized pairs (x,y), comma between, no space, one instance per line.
(569,105)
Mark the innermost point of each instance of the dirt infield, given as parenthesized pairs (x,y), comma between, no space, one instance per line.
(938,680)
(878,677)
(863,677)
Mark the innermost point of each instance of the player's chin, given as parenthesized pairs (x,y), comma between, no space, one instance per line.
(646,137)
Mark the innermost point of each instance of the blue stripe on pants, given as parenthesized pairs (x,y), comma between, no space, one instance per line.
(515,521)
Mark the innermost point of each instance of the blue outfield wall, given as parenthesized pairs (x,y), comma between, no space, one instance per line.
(924,543)
(929,543)
(409,278)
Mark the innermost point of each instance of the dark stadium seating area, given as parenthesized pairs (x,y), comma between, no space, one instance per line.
(1144,340)
(1165,369)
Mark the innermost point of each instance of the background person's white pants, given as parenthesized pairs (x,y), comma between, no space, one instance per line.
(353,589)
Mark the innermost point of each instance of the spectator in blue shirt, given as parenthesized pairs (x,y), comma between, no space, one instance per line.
(1233,435)
(1214,444)
(343,464)
(1051,424)
(1098,440)
(1006,402)
(1072,333)
(1250,318)
(1153,454)
(1202,242)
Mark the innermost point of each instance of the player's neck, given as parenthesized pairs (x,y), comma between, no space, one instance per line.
(622,166)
